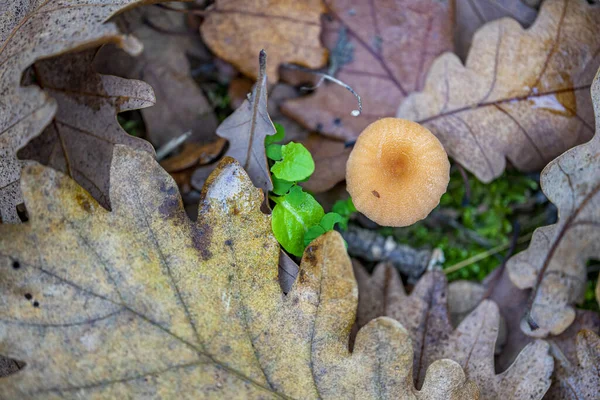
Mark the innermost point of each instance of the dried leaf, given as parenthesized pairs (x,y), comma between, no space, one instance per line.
(554,265)
(141,302)
(382,49)
(471,15)
(30,31)
(512,301)
(425,315)
(180,104)
(287,29)
(330,158)
(80,139)
(523,94)
(580,380)
(246,130)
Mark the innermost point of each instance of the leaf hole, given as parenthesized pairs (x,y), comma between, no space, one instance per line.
(28,296)
(16,264)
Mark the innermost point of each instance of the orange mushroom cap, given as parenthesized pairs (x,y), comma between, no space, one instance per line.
(397,172)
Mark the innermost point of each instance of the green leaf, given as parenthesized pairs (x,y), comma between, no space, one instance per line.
(312,233)
(345,208)
(329,220)
(280,186)
(293,214)
(274,152)
(296,164)
(278,136)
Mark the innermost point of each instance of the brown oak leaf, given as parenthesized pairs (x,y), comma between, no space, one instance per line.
(330,158)
(80,139)
(523,95)
(30,31)
(554,265)
(236,30)
(382,49)
(424,313)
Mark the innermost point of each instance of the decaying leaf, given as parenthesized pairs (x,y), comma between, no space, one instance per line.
(180,104)
(141,302)
(523,94)
(80,139)
(246,130)
(554,265)
(287,29)
(425,315)
(511,301)
(382,49)
(581,380)
(30,31)
(470,15)
(330,158)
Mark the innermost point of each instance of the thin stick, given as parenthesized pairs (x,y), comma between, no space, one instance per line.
(171,145)
(484,255)
(324,76)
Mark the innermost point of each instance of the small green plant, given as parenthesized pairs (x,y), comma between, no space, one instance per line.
(297,217)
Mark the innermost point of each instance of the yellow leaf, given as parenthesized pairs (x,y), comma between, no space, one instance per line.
(141,302)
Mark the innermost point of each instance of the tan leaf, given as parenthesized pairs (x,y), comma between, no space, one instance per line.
(141,302)
(236,30)
(523,94)
(512,301)
(554,265)
(424,313)
(578,380)
(246,130)
(330,162)
(471,15)
(180,104)
(382,49)
(30,31)
(80,139)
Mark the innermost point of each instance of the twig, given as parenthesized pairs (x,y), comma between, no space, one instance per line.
(171,145)
(484,255)
(371,246)
(324,76)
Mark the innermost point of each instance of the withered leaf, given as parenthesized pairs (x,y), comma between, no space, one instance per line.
(424,314)
(554,265)
(246,130)
(382,49)
(471,15)
(180,103)
(580,380)
(523,94)
(287,29)
(30,31)
(330,162)
(80,139)
(141,302)
(511,301)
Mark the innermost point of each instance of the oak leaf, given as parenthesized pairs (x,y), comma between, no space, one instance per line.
(522,95)
(141,302)
(80,139)
(30,31)
(246,130)
(580,379)
(424,314)
(554,265)
(471,15)
(383,50)
(288,30)
(330,158)
(180,103)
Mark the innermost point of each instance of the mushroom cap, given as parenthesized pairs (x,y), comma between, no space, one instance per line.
(397,172)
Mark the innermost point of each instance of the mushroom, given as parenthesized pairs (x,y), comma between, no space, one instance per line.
(397,172)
